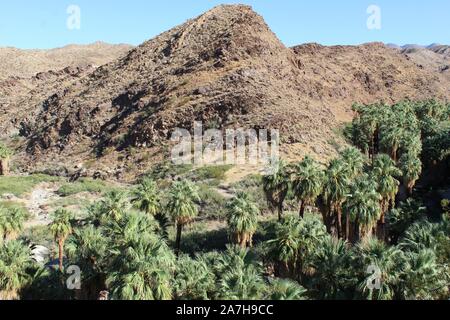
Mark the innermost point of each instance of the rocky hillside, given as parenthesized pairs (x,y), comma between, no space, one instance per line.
(225,68)
(29,77)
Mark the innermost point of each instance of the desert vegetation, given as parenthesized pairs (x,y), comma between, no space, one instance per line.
(308,230)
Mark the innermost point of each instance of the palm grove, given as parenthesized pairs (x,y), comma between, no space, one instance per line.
(368,207)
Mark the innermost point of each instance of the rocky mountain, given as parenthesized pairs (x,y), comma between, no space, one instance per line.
(27,63)
(434,57)
(225,68)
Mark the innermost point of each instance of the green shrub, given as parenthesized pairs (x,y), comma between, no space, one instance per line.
(213,203)
(20,185)
(84,185)
(5,152)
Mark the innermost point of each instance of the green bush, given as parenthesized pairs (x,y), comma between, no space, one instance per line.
(84,185)
(211,173)
(20,185)
(213,203)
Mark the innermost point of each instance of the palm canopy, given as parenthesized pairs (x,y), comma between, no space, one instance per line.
(367,124)
(411,167)
(11,222)
(296,240)
(384,172)
(146,197)
(239,277)
(15,259)
(354,161)
(333,276)
(337,183)
(276,186)
(182,204)
(194,280)
(283,289)
(375,256)
(242,218)
(307,182)
(336,189)
(114,206)
(61,226)
(363,205)
(142,270)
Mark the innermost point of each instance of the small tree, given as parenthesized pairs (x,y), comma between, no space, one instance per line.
(182,206)
(5,155)
(61,228)
(242,219)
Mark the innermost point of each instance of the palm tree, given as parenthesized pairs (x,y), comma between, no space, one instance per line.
(146,197)
(384,172)
(362,207)
(391,138)
(411,166)
(386,261)
(423,277)
(11,222)
(238,276)
(286,244)
(61,228)
(366,126)
(242,219)
(333,275)
(282,289)
(354,161)
(182,206)
(114,206)
(15,259)
(89,249)
(336,189)
(5,154)
(307,183)
(296,241)
(142,270)
(276,187)
(402,217)
(194,280)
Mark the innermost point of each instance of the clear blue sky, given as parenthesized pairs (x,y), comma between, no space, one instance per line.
(42,24)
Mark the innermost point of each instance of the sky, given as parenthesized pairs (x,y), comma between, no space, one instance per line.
(48,23)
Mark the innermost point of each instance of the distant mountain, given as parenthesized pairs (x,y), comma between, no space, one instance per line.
(27,63)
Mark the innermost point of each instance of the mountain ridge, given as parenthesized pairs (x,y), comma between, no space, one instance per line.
(227,69)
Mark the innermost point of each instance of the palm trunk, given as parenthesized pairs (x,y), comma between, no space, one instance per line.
(178,240)
(4,167)
(280,211)
(356,231)
(302,209)
(347,227)
(61,250)
(339,221)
